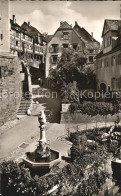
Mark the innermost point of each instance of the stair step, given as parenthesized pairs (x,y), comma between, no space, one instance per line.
(21,113)
(23,110)
(24,104)
(25,101)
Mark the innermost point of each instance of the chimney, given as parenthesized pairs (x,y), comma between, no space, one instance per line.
(13,18)
(29,23)
(61,23)
(75,22)
(92,34)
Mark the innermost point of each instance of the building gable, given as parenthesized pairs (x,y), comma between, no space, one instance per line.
(105,28)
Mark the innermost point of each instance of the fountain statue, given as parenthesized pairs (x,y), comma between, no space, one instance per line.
(42,157)
(42,150)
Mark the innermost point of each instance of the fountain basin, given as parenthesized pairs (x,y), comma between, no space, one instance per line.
(44,163)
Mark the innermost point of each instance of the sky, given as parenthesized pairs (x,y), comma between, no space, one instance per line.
(47,15)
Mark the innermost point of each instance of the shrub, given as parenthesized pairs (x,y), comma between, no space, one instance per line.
(70,93)
(95,108)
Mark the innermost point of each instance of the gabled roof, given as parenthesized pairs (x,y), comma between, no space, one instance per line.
(83,34)
(15,25)
(113,25)
(48,37)
(18,27)
(32,30)
(64,25)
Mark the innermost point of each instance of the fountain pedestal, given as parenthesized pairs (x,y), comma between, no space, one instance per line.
(42,150)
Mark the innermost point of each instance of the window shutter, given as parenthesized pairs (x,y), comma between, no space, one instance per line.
(61,48)
(79,48)
(58,59)
(50,49)
(57,48)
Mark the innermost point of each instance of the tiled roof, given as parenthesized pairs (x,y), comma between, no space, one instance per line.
(15,24)
(18,27)
(83,34)
(113,24)
(101,54)
(48,37)
(64,25)
(30,28)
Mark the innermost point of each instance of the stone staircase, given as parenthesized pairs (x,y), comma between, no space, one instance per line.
(24,106)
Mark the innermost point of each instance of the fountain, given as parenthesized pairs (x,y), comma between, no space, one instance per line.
(43,157)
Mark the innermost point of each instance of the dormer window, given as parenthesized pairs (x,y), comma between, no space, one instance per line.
(65,35)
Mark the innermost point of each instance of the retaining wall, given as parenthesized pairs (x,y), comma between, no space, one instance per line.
(10,87)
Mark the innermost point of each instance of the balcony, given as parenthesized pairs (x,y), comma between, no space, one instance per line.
(18,48)
(29,50)
(38,50)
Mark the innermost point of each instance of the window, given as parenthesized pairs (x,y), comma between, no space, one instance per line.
(55,47)
(65,45)
(75,46)
(66,35)
(54,59)
(16,43)
(17,34)
(105,43)
(91,59)
(105,63)
(91,51)
(1,36)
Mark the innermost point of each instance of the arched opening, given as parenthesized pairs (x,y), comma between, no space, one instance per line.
(103,87)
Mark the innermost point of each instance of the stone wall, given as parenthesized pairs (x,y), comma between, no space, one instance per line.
(77,117)
(4,25)
(10,87)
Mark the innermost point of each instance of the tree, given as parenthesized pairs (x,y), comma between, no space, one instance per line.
(72,67)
